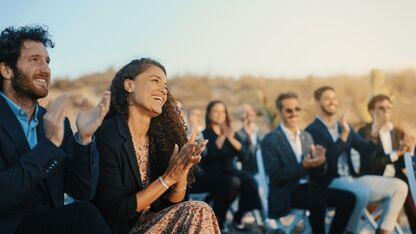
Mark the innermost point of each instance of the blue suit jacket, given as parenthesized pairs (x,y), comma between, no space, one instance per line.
(248,151)
(71,168)
(334,150)
(283,169)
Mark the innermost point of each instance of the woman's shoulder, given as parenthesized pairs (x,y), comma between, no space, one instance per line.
(208,133)
(109,129)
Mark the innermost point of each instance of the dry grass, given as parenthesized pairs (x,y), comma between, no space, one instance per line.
(196,91)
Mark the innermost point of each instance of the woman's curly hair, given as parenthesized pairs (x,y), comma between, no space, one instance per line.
(166,129)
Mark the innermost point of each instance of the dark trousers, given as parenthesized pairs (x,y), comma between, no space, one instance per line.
(223,188)
(249,197)
(71,219)
(317,200)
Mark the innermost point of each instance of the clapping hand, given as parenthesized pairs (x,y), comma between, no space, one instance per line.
(316,158)
(182,161)
(90,118)
(54,120)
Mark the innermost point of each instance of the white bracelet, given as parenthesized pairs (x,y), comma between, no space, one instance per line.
(163,182)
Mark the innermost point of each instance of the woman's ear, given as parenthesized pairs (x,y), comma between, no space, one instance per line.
(129,85)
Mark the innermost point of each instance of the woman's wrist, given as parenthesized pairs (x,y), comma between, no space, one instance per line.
(168,180)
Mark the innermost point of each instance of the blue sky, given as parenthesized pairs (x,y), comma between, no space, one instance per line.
(230,37)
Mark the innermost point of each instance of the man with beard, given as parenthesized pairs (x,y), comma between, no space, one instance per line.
(40,158)
(292,159)
(395,143)
(339,138)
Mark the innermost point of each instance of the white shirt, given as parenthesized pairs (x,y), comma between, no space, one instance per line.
(296,145)
(385,137)
(342,164)
(294,140)
(253,137)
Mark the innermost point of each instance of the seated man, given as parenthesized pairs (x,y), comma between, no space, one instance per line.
(40,159)
(291,160)
(389,160)
(251,160)
(339,139)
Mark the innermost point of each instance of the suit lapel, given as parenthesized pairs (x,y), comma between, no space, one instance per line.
(128,146)
(304,143)
(322,128)
(284,145)
(12,126)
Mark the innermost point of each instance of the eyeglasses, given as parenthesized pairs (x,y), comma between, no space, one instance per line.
(290,111)
(384,108)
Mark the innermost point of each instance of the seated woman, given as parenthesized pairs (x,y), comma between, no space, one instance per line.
(141,181)
(219,176)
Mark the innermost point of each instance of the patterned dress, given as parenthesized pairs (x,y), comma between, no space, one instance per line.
(184,217)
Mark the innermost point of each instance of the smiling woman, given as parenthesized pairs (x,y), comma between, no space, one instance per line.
(143,175)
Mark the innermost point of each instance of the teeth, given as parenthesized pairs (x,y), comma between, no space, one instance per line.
(41,82)
(158,99)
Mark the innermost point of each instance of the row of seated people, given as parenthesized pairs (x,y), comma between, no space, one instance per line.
(131,156)
(309,169)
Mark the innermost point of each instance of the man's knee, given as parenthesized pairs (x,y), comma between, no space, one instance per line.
(362,196)
(401,187)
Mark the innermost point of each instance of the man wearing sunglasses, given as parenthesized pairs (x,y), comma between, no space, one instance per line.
(339,138)
(395,143)
(292,161)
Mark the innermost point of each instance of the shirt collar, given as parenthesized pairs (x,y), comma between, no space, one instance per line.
(17,110)
(389,126)
(334,126)
(288,132)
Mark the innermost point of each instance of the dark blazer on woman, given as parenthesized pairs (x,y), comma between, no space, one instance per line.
(119,176)
(284,170)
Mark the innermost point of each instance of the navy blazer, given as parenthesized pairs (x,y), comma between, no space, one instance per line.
(71,168)
(334,150)
(248,151)
(283,169)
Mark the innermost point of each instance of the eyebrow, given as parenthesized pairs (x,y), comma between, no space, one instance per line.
(38,55)
(156,76)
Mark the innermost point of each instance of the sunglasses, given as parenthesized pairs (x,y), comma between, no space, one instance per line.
(290,111)
(384,108)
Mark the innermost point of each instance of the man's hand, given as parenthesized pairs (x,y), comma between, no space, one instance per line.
(54,120)
(89,119)
(344,123)
(316,158)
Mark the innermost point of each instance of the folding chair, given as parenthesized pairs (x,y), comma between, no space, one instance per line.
(369,221)
(410,163)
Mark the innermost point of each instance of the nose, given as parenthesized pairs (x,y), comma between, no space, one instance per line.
(164,90)
(44,68)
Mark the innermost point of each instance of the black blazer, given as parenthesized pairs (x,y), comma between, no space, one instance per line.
(334,150)
(119,176)
(248,151)
(376,164)
(71,168)
(283,169)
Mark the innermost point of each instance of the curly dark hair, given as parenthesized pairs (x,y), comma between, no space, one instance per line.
(11,42)
(166,129)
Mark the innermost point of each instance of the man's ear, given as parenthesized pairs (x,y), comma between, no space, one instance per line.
(5,71)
